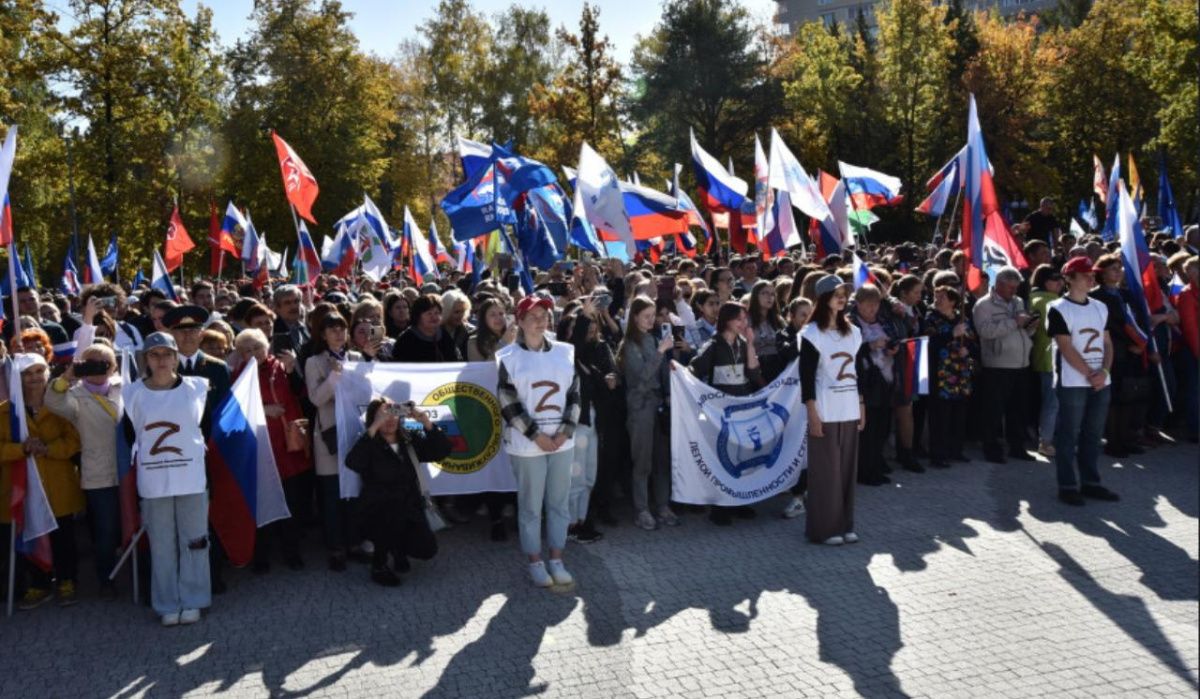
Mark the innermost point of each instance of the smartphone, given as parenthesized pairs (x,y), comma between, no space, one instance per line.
(91,368)
(557,288)
(376,333)
(282,342)
(512,282)
(108,301)
(664,331)
(509,320)
(666,288)
(677,332)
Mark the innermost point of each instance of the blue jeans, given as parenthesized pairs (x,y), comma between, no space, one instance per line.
(1081,415)
(178,531)
(1049,414)
(583,471)
(543,483)
(104,516)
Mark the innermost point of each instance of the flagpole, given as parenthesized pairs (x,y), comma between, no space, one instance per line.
(953,213)
(12,527)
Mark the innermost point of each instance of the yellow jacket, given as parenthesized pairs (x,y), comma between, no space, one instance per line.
(60,477)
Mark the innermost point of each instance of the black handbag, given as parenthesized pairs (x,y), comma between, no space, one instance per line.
(329,437)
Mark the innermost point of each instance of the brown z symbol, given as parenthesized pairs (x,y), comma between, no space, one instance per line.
(169,428)
(554,388)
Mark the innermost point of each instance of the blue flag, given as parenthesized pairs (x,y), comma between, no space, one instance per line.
(1167,210)
(138,279)
(552,207)
(108,263)
(29,267)
(478,205)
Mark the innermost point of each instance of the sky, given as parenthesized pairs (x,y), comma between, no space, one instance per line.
(382,24)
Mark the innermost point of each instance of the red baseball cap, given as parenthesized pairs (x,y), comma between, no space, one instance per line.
(1078,265)
(529,303)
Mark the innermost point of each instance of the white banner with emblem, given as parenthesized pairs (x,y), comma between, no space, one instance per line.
(461,399)
(735,450)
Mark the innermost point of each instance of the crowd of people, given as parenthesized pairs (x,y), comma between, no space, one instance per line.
(1054,360)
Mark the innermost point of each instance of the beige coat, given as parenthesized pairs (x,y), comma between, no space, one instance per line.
(322,383)
(96,426)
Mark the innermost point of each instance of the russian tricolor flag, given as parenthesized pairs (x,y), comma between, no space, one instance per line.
(436,248)
(869,188)
(308,262)
(862,273)
(945,187)
(914,370)
(244,483)
(414,245)
(1140,279)
(979,196)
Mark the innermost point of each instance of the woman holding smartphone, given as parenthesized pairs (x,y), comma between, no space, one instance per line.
(640,358)
(539,402)
(392,501)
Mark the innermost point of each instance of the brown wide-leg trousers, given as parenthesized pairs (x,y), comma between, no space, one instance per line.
(832,471)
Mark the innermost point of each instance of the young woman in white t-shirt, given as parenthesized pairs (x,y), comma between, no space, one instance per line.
(829,347)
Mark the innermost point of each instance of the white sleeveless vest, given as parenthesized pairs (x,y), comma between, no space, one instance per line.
(170,445)
(1086,321)
(542,380)
(837,379)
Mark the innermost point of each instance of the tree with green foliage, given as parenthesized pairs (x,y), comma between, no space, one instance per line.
(302,74)
(581,102)
(522,57)
(703,67)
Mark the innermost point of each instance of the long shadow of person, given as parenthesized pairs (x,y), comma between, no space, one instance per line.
(1126,611)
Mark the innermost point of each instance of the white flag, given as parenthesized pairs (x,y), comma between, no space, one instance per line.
(603,202)
(788,174)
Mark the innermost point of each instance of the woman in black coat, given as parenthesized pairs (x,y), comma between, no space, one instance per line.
(391,501)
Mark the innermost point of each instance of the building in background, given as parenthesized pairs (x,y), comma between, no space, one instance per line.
(790,14)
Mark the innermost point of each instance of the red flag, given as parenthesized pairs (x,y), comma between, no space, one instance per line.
(178,242)
(298,182)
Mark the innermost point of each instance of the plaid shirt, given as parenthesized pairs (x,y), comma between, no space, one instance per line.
(513,410)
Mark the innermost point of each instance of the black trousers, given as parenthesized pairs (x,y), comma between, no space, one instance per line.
(947,427)
(286,531)
(614,462)
(871,441)
(1002,396)
(64,553)
(394,531)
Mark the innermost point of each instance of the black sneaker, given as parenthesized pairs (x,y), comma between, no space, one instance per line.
(1099,492)
(720,517)
(402,564)
(587,534)
(913,466)
(1070,497)
(384,577)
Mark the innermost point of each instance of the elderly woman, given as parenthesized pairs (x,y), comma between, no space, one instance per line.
(282,407)
(88,396)
(456,308)
(539,401)
(393,500)
(426,340)
(52,441)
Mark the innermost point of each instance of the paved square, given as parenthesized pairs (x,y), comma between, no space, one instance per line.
(969,582)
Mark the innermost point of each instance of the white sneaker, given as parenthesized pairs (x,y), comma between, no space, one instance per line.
(538,574)
(171,619)
(559,572)
(834,541)
(794,509)
(668,518)
(850,538)
(645,520)
(189,616)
